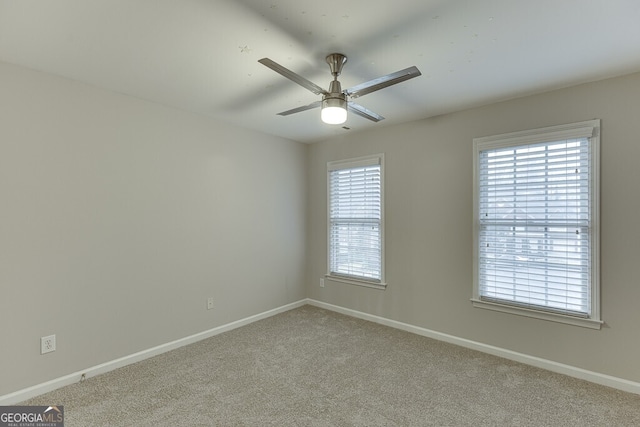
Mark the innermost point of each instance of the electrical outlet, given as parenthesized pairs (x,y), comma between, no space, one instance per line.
(322,283)
(209,303)
(47,344)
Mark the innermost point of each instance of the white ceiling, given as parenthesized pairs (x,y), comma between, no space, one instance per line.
(201,55)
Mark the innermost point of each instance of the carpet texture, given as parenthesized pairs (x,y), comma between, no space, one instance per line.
(313,367)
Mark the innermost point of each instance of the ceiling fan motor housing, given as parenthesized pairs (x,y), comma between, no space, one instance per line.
(334,100)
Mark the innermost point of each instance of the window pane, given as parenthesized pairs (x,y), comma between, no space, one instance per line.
(534,208)
(355,215)
(356,249)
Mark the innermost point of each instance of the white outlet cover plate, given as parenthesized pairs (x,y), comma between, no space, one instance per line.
(47,344)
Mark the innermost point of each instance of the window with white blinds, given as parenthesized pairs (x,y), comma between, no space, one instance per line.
(355,210)
(536,234)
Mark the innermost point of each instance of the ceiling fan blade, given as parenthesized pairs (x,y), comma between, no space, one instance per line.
(292,76)
(303,108)
(363,112)
(382,82)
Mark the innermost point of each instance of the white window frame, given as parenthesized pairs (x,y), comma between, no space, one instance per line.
(589,129)
(359,162)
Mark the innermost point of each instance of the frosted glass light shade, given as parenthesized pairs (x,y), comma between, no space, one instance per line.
(334,115)
(334,111)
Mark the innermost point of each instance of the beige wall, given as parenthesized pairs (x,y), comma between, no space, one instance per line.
(428,182)
(118,218)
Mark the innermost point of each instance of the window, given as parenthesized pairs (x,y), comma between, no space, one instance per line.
(356,226)
(536,223)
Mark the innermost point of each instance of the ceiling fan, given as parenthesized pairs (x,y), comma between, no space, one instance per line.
(335,102)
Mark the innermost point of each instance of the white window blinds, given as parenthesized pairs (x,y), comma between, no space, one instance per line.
(355,219)
(535,235)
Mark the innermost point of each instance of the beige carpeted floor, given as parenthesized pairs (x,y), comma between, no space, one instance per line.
(312,367)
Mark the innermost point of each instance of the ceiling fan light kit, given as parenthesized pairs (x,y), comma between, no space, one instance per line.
(335,102)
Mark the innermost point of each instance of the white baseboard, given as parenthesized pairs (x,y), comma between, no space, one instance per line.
(36,390)
(572,371)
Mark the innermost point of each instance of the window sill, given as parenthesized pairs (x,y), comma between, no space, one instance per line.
(352,281)
(553,317)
